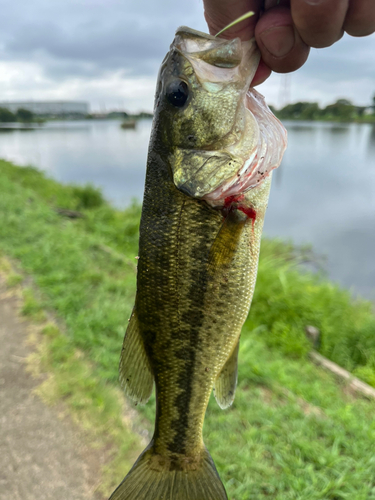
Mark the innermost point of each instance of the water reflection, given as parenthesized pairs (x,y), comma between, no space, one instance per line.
(339,129)
(371,142)
(323,193)
(323,198)
(99,152)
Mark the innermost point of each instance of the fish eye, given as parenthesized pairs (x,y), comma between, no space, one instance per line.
(177,93)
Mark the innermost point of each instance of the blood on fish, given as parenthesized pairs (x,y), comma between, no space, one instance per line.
(249,211)
(234,203)
(232,199)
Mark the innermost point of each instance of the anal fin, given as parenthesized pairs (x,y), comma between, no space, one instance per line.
(226,382)
(136,376)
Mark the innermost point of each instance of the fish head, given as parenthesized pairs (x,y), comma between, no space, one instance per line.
(201,82)
(202,113)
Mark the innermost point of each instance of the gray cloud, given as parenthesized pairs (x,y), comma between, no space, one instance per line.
(91,40)
(132,36)
(350,57)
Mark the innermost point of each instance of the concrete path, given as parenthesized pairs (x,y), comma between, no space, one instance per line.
(42,457)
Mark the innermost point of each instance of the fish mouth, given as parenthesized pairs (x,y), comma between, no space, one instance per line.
(217,60)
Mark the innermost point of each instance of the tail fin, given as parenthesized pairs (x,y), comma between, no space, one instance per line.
(155,478)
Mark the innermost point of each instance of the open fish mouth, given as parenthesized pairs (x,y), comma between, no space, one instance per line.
(217,60)
(253,140)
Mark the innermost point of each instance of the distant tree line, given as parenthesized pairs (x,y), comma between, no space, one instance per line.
(342,110)
(21,115)
(122,115)
(25,116)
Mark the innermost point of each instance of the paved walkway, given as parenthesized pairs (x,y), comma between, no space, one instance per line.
(42,457)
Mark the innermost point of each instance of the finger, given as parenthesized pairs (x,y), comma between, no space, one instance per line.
(281,47)
(360,18)
(319,22)
(261,74)
(219,13)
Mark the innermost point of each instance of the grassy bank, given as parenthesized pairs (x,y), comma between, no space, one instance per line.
(342,111)
(370,119)
(292,432)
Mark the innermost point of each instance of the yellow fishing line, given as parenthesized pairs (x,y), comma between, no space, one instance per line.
(236,21)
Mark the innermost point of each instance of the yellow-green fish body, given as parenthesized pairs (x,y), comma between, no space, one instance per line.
(198,254)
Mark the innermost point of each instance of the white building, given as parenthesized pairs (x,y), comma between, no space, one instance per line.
(48,107)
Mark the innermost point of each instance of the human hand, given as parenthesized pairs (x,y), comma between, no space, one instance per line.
(286,29)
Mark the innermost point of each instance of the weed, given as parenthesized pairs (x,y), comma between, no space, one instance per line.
(14,279)
(31,306)
(88,196)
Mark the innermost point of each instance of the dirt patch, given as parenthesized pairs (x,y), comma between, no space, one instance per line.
(270,397)
(280,396)
(310,409)
(43,455)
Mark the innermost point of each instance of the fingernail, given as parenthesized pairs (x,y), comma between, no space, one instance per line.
(279,40)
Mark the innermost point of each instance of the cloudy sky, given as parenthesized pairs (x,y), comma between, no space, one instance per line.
(107,52)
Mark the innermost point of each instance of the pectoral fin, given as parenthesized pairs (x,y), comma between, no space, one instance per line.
(226,382)
(136,376)
(226,242)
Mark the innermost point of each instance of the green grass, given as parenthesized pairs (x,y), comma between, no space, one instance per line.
(293,432)
(14,279)
(286,300)
(90,288)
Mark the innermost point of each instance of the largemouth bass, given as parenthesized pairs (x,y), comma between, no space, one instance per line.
(212,149)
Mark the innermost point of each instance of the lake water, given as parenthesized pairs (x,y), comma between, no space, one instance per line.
(323,193)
